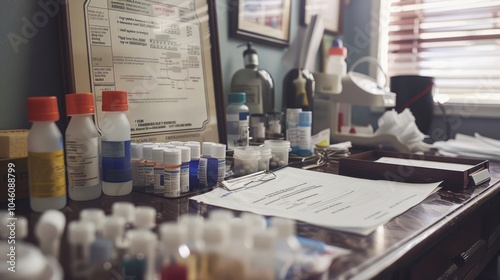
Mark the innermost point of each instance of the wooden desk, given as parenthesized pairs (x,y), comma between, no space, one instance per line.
(449,235)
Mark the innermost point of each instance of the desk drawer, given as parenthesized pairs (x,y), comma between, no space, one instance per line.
(456,254)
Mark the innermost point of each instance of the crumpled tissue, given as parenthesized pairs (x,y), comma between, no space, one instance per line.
(405,129)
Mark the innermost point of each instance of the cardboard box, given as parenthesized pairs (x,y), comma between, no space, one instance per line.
(14,143)
(20,171)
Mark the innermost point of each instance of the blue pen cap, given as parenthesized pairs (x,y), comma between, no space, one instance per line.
(237,97)
(101,250)
(305,118)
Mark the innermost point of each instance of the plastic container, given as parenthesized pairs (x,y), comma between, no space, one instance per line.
(336,65)
(148,167)
(265,157)
(158,185)
(194,165)
(116,152)
(258,128)
(246,160)
(292,124)
(45,155)
(186,159)
(137,165)
(216,167)
(82,148)
(304,133)
(172,172)
(236,111)
(280,152)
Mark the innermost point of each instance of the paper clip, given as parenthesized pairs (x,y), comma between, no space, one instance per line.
(248,181)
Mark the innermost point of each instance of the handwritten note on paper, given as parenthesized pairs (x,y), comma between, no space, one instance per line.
(425,163)
(329,200)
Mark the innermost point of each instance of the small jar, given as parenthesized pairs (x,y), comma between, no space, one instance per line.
(246,160)
(265,157)
(280,152)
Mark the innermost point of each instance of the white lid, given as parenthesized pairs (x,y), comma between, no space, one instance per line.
(284,227)
(239,229)
(95,216)
(172,157)
(192,142)
(125,210)
(220,215)
(136,150)
(145,217)
(147,151)
(265,152)
(185,153)
(247,153)
(218,151)
(277,144)
(21,227)
(292,114)
(50,225)
(172,235)
(158,155)
(29,263)
(114,226)
(195,150)
(194,225)
(214,234)
(206,148)
(81,232)
(264,240)
(141,242)
(176,143)
(257,222)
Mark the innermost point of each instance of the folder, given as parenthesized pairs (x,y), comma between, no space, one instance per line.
(415,168)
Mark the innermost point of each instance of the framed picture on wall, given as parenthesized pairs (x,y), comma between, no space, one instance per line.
(330,11)
(164,53)
(261,21)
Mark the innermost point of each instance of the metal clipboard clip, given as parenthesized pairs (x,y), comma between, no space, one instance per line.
(248,181)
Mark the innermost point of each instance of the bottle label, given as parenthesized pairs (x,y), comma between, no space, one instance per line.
(253,96)
(141,173)
(158,178)
(184,177)
(232,124)
(172,182)
(149,176)
(304,138)
(221,171)
(116,161)
(83,162)
(46,174)
(202,172)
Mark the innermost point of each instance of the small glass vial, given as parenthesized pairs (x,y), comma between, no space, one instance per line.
(158,185)
(185,158)
(137,261)
(304,133)
(45,155)
(172,172)
(263,257)
(145,217)
(174,250)
(80,235)
(258,128)
(82,148)
(137,165)
(216,168)
(194,165)
(246,160)
(235,111)
(274,126)
(116,157)
(96,217)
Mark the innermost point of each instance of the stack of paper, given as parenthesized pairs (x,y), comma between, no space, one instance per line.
(478,147)
(338,202)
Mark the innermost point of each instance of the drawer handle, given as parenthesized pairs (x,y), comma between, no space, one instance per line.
(461,259)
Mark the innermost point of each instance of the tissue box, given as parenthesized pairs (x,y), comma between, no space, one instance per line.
(14,143)
(20,171)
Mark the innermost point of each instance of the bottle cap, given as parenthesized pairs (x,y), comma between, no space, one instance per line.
(114,101)
(284,227)
(194,225)
(175,143)
(264,240)
(305,118)
(145,217)
(48,231)
(292,114)
(173,235)
(147,151)
(172,157)
(21,227)
(95,216)
(141,241)
(125,210)
(239,229)
(136,150)
(114,226)
(158,155)
(237,97)
(101,251)
(185,153)
(206,148)
(42,109)
(221,215)
(195,150)
(214,233)
(80,104)
(337,48)
(81,233)
(218,151)
(257,222)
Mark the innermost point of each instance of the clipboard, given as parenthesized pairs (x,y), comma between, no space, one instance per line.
(365,165)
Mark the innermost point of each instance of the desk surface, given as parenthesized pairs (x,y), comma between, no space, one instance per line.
(397,249)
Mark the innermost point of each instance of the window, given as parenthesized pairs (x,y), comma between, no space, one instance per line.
(455,41)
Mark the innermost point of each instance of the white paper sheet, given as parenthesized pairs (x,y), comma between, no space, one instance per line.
(328,200)
(425,163)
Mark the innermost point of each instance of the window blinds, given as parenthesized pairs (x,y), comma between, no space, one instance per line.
(455,41)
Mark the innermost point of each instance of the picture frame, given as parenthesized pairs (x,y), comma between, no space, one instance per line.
(330,11)
(164,53)
(262,21)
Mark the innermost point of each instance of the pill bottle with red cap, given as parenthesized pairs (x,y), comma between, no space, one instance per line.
(115,144)
(46,169)
(82,148)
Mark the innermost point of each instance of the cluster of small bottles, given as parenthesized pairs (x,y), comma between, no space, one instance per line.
(94,166)
(175,168)
(298,131)
(129,244)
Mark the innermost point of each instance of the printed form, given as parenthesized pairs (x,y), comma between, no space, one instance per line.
(329,200)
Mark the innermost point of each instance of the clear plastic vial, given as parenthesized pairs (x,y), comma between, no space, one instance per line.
(82,148)
(236,111)
(116,152)
(45,155)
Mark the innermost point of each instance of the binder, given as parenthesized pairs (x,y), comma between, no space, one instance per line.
(365,165)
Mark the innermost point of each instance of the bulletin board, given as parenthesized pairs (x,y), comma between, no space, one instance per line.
(164,53)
